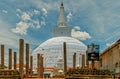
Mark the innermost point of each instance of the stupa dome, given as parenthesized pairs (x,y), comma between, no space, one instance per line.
(52,50)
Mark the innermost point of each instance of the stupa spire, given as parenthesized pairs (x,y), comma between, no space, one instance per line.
(61,19)
(62,29)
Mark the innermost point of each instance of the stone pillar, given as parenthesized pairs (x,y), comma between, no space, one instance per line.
(79,60)
(92,62)
(27,60)
(41,66)
(2,56)
(31,65)
(21,57)
(38,64)
(65,58)
(15,60)
(10,58)
(83,61)
(87,63)
(74,61)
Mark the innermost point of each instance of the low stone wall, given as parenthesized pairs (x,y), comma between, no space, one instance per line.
(9,77)
(89,74)
(9,74)
(90,77)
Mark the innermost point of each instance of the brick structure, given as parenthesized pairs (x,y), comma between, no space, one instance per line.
(21,57)
(10,58)
(2,56)
(27,60)
(65,58)
(110,58)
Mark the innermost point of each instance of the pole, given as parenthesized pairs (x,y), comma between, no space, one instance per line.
(41,66)
(31,65)
(21,57)
(27,60)
(2,56)
(38,65)
(79,60)
(15,60)
(10,58)
(74,61)
(83,61)
(87,63)
(65,58)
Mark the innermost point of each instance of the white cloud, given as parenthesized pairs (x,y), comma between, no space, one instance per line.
(69,16)
(37,23)
(44,11)
(76,33)
(36,11)
(18,10)
(21,27)
(4,11)
(77,28)
(27,21)
(43,22)
(25,16)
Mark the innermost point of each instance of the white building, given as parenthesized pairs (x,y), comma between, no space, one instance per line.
(52,49)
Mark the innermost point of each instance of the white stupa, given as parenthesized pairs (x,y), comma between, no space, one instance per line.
(52,49)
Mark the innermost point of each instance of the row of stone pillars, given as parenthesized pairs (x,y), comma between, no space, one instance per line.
(83,61)
(74,59)
(29,62)
(10,58)
(39,62)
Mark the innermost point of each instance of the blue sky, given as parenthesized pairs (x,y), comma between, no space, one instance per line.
(98,21)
